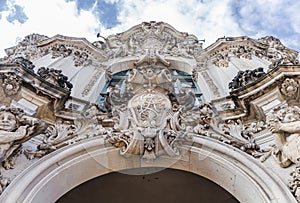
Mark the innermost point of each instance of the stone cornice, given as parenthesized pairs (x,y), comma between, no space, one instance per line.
(77,43)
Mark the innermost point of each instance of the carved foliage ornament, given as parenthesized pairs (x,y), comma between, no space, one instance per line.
(60,50)
(153,36)
(289,87)
(277,53)
(242,136)
(66,133)
(10,83)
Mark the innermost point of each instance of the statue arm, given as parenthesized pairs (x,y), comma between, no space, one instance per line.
(293,127)
(6,137)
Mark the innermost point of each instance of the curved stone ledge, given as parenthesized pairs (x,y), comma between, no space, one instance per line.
(230,168)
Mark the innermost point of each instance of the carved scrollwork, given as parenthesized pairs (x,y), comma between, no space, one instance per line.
(60,50)
(10,83)
(81,59)
(151,36)
(289,87)
(66,133)
(294,184)
(242,137)
(243,52)
(221,60)
(277,53)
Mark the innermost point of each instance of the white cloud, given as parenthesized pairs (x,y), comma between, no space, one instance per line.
(49,18)
(209,19)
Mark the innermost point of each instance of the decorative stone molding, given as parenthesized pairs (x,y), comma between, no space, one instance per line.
(26,48)
(268,48)
(284,124)
(221,60)
(246,77)
(11,83)
(277,53)
(81,59)
(294,184)
(152,57)
(289,87)
(243,51)
(60,50)
(55,77)
(154,37)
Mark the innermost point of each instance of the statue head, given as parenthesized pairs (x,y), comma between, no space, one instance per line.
(9,118)
(285,114)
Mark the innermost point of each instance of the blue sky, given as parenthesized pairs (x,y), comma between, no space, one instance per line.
(207,19)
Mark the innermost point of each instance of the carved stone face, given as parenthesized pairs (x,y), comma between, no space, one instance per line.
(8,121)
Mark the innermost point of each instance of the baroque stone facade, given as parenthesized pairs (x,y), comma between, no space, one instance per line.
(153,96)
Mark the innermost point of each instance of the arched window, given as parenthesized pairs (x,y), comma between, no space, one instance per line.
(181,80)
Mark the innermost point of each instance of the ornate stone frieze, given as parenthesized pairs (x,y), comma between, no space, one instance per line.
(246,77)
(151,36)
(152,57)
(60,50)
(11,83)
(284,124)
(221,60)
(26,48)
(277,53)
(243,51)
(55,77)
(81,59)
(289,87)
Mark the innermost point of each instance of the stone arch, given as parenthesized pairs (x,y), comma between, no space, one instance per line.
(235,171)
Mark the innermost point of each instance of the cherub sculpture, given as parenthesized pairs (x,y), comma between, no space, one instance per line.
(15,129)
(284,123)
